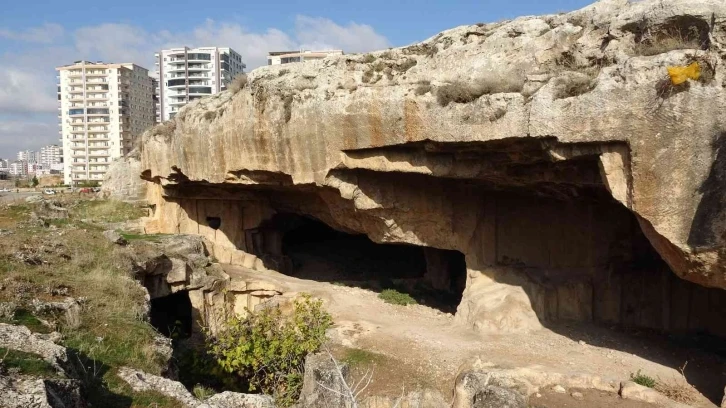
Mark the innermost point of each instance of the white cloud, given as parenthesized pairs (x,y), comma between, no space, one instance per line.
(22,135)
(322,33)
(21,91)
(28,83)
(46,34)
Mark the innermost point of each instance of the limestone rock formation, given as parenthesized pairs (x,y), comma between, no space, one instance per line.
(40,393)
(553,152)
(122,181)
(140,381)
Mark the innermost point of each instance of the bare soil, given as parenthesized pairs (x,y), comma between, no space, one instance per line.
(590,399)
(424,347)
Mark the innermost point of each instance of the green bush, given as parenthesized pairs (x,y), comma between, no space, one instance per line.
(395,297)
(643,379)
(268,349)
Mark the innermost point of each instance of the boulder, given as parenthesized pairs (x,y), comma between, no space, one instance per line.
(122,182)
(324,383)
(141,381)
(230,399)
(22,339)
(114,237)
(40,393)
(497,397)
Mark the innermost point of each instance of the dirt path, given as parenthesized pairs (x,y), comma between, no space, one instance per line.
(431,346)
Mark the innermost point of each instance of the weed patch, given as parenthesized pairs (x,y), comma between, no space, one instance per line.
(395,297)
(26,363)
(643,379)
(357,357)
(466,92)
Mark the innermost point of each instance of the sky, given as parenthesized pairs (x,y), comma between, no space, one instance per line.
(38,35)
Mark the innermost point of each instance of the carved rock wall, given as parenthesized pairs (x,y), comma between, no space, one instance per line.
(511,142)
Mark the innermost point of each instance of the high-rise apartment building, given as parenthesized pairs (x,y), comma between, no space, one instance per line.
(103,108)
(29,156)
(287,57)
(51,157)
(186,74)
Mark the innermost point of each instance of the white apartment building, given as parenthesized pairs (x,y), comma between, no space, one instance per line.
(29,156)
(287,57)
(19,168)
(103,108)
(186,74)
(51,157)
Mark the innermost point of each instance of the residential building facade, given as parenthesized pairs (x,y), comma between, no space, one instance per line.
(186,74)
(18,168)
(103,109)
(51,157)
(29,156)
(287,57)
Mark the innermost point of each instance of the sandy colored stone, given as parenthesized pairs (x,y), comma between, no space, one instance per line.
(367,153)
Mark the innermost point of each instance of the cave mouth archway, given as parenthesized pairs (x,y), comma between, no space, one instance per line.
(313,250)
(171,315)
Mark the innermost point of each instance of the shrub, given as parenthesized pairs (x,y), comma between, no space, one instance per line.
(395,297)
(643,379)
(368,58)
(465,92)
(571,84)
(422,87)
(238,83)
(268,349)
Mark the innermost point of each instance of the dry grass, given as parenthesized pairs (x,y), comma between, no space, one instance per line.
(669,39)
(422,87)
(570,84)
(165,129)
(239,82)
(465,92)
(678,389)
(76,257)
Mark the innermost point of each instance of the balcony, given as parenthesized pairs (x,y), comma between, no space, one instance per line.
(96,73)
(178,68)
(96,80)
(75,74)
(95,89)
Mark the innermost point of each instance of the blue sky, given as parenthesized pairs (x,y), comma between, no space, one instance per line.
(36,36)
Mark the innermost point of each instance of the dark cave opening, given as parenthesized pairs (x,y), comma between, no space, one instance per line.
(315,251)
(172,315)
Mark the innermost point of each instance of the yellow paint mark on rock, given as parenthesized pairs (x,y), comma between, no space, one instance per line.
(680,75)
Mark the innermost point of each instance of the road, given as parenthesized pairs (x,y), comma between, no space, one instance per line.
(16,197)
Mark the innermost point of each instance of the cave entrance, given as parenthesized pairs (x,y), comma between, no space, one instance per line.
(315,251)
(171,315)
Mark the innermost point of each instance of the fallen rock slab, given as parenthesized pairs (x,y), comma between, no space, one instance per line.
(21,339)
(40,393)
(230,399)
(141,381)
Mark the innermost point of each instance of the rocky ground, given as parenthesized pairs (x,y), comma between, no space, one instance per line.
(74,332)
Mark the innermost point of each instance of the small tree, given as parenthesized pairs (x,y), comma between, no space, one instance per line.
(268,349)
(34,182)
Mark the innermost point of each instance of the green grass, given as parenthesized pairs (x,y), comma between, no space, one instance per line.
(23,317)
(202,392)
(395,297)
(142,237)
(357,357)
(643,379)
(27,363)
(112,331)
(107,211)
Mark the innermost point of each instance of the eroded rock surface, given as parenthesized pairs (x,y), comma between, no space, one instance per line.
(552,151)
